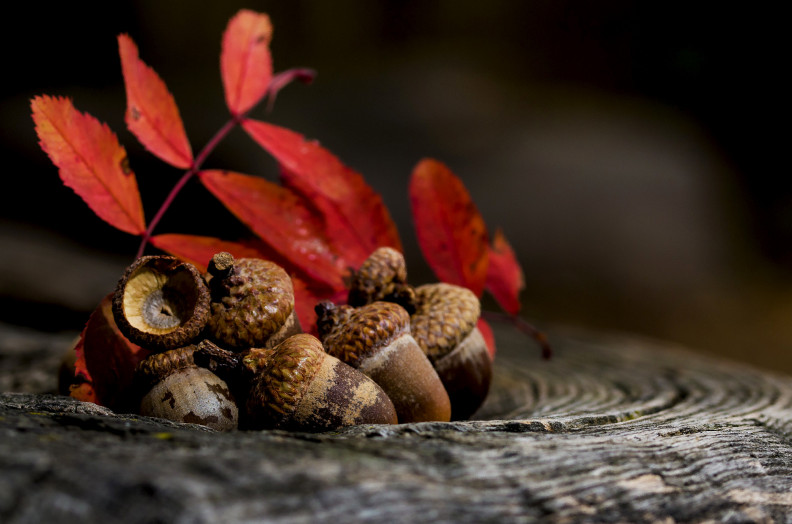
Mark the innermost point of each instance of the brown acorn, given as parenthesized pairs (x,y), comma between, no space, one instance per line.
(297,386)
(161,303)
(252,303)
(444,325)
(382,276)
(178,390)
(376,339)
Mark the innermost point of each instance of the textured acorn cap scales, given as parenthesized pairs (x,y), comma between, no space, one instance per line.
(252,302)
(178,390)
(303,388)
(382,277)
(161,303)
(376,339)
(444,325)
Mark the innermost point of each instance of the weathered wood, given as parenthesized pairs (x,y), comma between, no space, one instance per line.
(613,429)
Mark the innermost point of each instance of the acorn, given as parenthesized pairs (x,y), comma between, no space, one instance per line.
(444,325)
(376,339)
(161,303)
(297,386)
(382,277)
(252,303)
(178,390)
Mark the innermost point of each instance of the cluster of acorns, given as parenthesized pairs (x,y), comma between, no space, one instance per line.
(228,350)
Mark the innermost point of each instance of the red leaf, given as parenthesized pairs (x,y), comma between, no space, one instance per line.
(489,337)
(90,161)
(152,115)
(106,361)
(198,250)
(450,230)
(245,61)
(356,219)
(306,298)
(504,275)
(279,217)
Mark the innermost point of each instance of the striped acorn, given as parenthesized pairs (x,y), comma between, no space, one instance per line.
(444,325)
(252,303)
(297,386)
(376,339)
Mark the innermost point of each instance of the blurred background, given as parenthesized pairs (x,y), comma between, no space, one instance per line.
(630,151)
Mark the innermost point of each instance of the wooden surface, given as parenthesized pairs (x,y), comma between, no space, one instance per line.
(613,429)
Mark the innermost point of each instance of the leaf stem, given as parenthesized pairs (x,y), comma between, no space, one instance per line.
(523,326)
(194,168)
(280,80)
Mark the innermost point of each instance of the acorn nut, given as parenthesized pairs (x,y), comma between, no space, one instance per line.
(161,303)
(183,392)
(444,325)
(376,339)
(300,387)
(252,303)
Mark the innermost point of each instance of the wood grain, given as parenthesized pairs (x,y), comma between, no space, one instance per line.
(612,429)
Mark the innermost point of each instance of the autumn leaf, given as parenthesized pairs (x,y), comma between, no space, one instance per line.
(449,227)
(504,274)
(152,115)
(280,218)
(356,219)
(305,299)
(106,361)
(90,161)
(199,250)
(245,61)
(489,338)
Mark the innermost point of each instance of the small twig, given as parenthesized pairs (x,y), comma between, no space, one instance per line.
(278,82)
(523,326)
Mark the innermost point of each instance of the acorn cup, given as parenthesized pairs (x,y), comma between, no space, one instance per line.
(174,388)
(376,339)
(444,325)
(252,303)
(297,386)
(161,303)
(382,277)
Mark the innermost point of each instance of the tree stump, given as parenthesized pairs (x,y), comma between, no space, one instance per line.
(612,429)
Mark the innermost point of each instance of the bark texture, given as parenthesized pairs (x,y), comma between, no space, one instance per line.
(612,429)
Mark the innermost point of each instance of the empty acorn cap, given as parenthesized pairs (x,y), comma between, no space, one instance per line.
(161,303)
(382,276)
(252,302)
(304,388)
(376,339)
(444,325)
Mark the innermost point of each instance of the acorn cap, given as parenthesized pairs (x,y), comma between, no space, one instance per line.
(382,277)
(157,366)
(444,325)
(252,303)
(303,388)
(445,314)
(161,303)
(376,339)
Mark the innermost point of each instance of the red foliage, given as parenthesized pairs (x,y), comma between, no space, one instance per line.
(355,219)
(449,227)
(152,115)
(245,62)
(504,275)
(90,161)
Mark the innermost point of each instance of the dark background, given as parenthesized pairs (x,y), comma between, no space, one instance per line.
(631,151)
